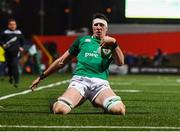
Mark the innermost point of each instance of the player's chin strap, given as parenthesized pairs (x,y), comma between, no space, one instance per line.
(111,101)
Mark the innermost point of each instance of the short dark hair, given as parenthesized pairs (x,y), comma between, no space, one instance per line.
(11,20)
(101,16)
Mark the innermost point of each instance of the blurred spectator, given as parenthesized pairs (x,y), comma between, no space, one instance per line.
(12,41)
(118,70)
(80,32)
(130,59)
(31,61)
(159,58)
(144,60)
(52,49)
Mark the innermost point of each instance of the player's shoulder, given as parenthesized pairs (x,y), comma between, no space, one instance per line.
(85,39)
(82,39)
(7,31)
(18,31)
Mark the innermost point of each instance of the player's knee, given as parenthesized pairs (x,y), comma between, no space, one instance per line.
(59,108)
(118,109)
(114,105)
(62,106)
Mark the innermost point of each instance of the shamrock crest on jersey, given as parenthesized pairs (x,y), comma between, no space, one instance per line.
(105,52)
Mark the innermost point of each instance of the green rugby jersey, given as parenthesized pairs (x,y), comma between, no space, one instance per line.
(89,61)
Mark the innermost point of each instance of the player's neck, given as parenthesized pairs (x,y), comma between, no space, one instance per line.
(98,37)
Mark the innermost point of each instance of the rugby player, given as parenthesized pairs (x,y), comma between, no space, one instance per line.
(89,82)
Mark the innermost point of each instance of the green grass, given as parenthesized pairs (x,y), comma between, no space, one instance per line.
(157,105)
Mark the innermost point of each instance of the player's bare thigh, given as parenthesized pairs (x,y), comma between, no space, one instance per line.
(118,108)
(72,96)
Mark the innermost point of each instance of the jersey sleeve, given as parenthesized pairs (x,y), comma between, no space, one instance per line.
(74,49)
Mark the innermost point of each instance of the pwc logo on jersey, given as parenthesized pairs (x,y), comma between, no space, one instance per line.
(95,55)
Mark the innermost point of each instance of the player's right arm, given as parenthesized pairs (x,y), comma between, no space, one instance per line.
(57,64)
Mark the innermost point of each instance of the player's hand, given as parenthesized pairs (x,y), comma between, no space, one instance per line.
(5,46)
(35,83)
(21,49)
(107,41)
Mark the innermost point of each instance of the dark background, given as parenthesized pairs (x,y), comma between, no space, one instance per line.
(51,17)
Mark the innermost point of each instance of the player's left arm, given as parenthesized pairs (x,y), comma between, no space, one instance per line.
(118,56)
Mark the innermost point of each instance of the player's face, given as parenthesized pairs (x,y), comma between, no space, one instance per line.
(12,25)
(99,30)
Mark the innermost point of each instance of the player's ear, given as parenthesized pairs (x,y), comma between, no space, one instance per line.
(106,29)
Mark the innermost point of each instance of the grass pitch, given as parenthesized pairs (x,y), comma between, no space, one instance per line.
(152,103)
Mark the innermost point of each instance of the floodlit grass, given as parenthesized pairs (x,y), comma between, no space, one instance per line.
(157,104)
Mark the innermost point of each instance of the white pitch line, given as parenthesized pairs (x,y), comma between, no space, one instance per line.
(137,91)
(89,127)
(37,89)
(143,84)
(178,80)
(128,91)
(120,83)
(159,84)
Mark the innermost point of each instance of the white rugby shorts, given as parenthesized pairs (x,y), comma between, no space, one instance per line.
(89,88)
